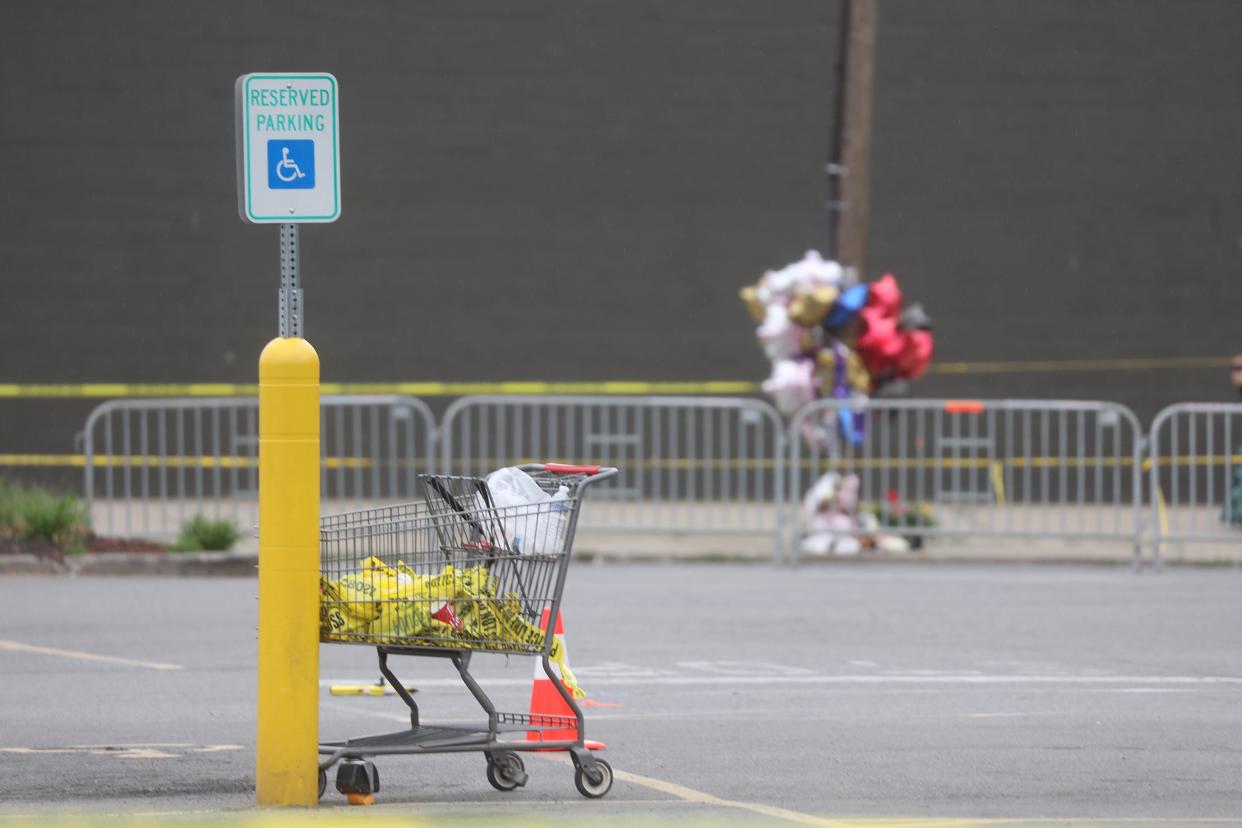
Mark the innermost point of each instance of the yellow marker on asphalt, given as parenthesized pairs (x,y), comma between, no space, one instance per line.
(366,690)
(287,750)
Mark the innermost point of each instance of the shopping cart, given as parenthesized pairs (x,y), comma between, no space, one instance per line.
(450,577)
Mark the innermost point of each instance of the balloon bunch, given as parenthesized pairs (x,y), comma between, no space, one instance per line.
(828,335)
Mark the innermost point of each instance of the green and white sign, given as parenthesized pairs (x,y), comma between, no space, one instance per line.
(288,148)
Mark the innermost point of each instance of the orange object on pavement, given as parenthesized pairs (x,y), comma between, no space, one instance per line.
(546,700)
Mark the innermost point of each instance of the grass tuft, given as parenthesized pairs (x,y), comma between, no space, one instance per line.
(34,513)
(205,535)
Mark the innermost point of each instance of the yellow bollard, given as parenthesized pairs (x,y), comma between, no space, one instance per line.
(286,755)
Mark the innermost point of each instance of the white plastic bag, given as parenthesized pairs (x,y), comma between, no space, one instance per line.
(533,520)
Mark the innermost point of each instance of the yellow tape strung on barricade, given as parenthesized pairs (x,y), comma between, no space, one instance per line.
(381,604)
(415,389)
(661,464)
(101,390)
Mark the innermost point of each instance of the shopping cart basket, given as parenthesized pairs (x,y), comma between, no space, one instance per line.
(450,577)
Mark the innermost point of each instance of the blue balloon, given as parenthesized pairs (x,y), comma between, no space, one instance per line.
(847,306)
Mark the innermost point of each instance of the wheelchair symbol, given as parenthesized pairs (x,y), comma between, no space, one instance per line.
(287,169)
(290,164)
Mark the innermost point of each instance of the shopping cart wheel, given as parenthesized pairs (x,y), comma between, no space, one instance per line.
(357,776)
(594,789)
(323,782)
(506,771)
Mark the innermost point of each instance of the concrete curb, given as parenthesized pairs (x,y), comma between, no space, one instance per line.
(180,564)
(854,560)
(245,564)
(30,565)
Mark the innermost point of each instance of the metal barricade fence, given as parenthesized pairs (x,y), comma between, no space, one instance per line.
(692,465)
(707,465)
(1195,467)
(151,465)
(990,468)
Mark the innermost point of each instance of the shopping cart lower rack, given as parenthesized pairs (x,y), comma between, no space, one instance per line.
(447,578)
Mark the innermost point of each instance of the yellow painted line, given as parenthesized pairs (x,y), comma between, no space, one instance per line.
(381,816)
(18,647)
(703,798)
(682,792)
(104,390)
(378,817)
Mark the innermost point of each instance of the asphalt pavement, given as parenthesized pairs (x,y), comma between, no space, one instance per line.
(739,693)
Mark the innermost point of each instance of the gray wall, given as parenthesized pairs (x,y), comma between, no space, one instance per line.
(576,191)
(1061,180)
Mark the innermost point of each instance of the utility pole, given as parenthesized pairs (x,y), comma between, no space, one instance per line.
(849,170)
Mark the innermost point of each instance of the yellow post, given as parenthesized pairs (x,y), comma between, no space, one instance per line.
(286,756)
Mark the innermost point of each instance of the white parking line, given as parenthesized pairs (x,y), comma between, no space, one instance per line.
(142,750)
(19,647)
(680,792)
(703,798)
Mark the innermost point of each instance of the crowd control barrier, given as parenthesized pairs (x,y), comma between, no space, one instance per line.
(151,465)
(983,468)
(694,465)
(1195,467)
(714,466)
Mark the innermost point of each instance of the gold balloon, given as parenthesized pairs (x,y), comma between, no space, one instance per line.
(750,297)
(810,308)
(856,375)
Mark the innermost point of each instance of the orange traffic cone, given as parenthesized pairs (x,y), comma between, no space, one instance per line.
(546,700)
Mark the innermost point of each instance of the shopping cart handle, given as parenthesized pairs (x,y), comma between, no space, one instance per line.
(590,474)
(565,468)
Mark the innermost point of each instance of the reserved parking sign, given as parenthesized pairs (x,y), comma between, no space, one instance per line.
(288,148)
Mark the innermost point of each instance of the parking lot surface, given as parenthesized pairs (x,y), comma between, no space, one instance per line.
(747,693)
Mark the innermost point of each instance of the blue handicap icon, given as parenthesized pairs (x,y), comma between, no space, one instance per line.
(291,165)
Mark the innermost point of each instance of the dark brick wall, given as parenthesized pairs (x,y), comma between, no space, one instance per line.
(1062,180)
(576,191)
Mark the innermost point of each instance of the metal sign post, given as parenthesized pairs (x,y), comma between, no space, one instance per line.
(288,173)
(290,290)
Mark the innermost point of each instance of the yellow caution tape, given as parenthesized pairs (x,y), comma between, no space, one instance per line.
(998,483)
(380,604)
(415,389)
(1053,366)
(847,464)
(107,390)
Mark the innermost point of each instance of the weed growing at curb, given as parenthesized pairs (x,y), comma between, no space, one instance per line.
(202,534)
(36,514)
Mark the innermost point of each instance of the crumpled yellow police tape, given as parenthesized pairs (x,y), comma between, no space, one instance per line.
(457,608)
